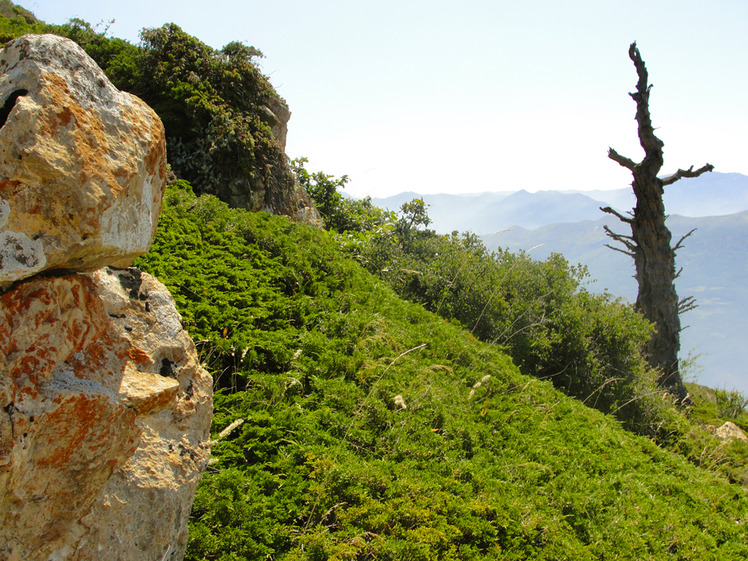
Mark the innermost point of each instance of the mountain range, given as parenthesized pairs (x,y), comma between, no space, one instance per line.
(712,194)
(714,259)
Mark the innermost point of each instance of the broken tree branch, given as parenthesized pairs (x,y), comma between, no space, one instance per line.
(670,179)
(627,241)
(621,160)
(619,250)
(679,245)
(619,237)
(687,304)
(651,144)
(641,69)
(617,214)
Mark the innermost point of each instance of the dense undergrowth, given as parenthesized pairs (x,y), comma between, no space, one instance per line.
(590,346)
(357,425)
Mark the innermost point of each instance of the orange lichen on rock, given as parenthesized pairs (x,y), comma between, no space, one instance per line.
(83,403)
(105,410)
(82,165)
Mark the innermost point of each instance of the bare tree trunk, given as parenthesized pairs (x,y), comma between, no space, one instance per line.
(650,240)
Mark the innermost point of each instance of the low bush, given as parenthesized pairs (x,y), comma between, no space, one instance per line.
(351,424)
(588,345)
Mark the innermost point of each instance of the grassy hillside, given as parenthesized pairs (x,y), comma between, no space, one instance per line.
(351,424)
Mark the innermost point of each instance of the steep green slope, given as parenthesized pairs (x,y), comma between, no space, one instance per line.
(15,21)
(372,429)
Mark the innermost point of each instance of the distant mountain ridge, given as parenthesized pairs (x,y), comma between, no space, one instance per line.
(714,259)
(712,194)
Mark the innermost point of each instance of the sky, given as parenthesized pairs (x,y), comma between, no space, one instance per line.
(468,96)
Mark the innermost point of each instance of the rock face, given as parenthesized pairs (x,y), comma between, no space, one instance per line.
(279,114)
(274,189)
(82,165)
(104,421)
(104,409)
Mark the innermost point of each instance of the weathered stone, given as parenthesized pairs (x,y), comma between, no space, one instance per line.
(271,186)
(279,115)
(104,419)
(730,431)
(82,165)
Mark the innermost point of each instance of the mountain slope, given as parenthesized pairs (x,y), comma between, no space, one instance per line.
(350,424)
(485,213)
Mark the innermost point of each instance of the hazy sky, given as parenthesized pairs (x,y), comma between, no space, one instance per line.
(466,96)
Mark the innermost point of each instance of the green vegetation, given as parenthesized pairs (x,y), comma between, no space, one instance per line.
(212,104)
(372,428)
(588,345)
(714,406)
(15,21)
(339,213)
(216,106)
(383,392)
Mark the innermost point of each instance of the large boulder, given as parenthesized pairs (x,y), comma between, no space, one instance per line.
(105,410)
(82,164)
(104,419)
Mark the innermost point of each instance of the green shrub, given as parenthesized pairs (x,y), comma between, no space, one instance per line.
(321,460)
(339,213)
(731,404)
(588,345)
(16,21)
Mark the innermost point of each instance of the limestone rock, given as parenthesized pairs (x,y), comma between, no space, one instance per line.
(278,115)
(730,431)
(104,419)
(282,194)
(82,165)
(272,186)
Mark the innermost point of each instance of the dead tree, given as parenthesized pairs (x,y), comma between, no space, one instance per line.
(650,241)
